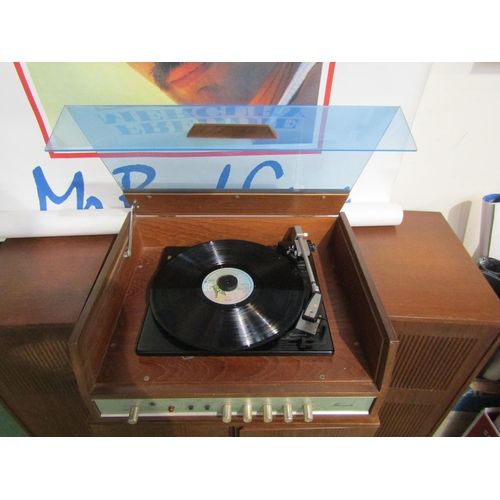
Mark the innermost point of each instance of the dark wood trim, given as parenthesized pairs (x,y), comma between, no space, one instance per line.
(237,203)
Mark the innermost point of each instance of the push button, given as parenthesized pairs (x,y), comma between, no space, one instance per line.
(267,411)
(133,416)
(287,413)
(226,413)
(247,413)
(308,412)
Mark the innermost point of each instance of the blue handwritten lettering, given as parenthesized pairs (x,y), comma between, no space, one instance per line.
(44,191)
(278,171)
(126,182)
(247,184)
(224,176)
(128,170)
(92,201)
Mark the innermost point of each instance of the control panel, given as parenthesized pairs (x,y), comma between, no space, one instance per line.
(268,409)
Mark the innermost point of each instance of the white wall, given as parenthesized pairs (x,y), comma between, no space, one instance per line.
(457,131)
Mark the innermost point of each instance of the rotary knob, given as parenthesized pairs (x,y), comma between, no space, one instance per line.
(226,413)
(287,413)
(267,411)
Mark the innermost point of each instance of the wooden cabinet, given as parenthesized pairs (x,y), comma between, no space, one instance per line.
(416,323)
(160,428)
(113,379)
(44,283)
(445,318)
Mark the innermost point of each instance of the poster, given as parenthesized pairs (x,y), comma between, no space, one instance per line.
(72,193)
(51,86)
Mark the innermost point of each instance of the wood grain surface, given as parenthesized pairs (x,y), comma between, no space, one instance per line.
(123,373)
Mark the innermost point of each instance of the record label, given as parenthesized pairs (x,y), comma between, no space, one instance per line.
(227,286)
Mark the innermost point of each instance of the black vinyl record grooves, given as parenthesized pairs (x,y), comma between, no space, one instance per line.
(227,295)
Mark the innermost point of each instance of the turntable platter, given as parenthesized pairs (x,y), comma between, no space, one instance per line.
(227,295)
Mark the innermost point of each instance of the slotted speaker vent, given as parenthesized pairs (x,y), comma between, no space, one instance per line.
(429,363)
(400,419)
(38,367)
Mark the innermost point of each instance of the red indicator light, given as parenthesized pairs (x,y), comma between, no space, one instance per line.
(171,409)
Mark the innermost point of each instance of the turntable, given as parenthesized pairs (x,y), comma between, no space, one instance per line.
(249,299)
(239,304)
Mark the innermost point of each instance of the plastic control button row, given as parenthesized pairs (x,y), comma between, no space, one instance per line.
(226,413)
(267,413)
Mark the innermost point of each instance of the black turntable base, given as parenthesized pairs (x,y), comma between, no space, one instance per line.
(233,298)
(154,341)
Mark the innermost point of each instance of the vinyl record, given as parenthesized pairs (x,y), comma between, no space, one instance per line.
(227,295)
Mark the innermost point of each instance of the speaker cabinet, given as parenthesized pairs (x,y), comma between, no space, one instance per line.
(445,315)
(42,296)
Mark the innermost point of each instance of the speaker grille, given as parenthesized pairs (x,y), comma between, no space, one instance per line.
(400,419)
(37,367)
(429,363)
